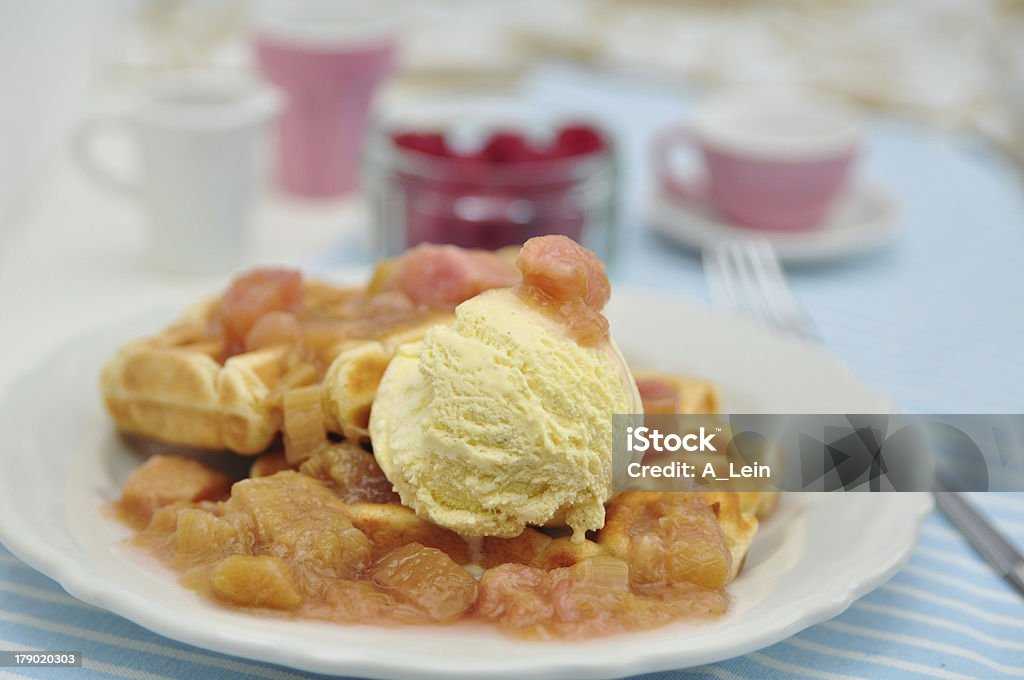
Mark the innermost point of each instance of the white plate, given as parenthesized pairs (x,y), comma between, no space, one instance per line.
(63,461)
(863,219)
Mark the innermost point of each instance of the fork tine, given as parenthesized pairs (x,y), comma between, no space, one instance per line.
(791,313)
(745,275)
(729,280)
(773,279)
(755,281)
(768,277)
(720,278)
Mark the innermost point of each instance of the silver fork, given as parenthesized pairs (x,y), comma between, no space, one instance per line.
(744,275)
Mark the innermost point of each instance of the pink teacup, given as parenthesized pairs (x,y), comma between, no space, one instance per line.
(772,160)
(328,58)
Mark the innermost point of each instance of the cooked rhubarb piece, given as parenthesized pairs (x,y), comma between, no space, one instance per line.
(201,536)
(303,427)
(587,598)
(300,518)
(596,588)
(565,279)
(359,602)
(275,328)
(256,581)
(429,579)
(254,295)
(163,480)
(353,472)
(444,276)
(516,594)
(668,538)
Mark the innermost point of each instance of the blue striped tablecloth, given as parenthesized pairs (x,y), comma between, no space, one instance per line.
(935,321)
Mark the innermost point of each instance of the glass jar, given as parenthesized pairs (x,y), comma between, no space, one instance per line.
(470,201)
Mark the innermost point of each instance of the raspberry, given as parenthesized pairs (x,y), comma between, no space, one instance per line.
(424,142)
(509,147)
(577,140)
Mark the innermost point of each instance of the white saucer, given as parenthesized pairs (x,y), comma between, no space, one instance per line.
(862,220)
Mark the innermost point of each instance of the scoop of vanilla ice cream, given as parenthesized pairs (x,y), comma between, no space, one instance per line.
(501,420)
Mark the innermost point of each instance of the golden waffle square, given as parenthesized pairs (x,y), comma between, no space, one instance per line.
(182,385)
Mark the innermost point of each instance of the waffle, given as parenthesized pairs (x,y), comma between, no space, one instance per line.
(179,387)
(665,393)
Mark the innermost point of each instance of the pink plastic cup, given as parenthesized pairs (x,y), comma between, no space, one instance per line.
(772,160)
(329,62)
